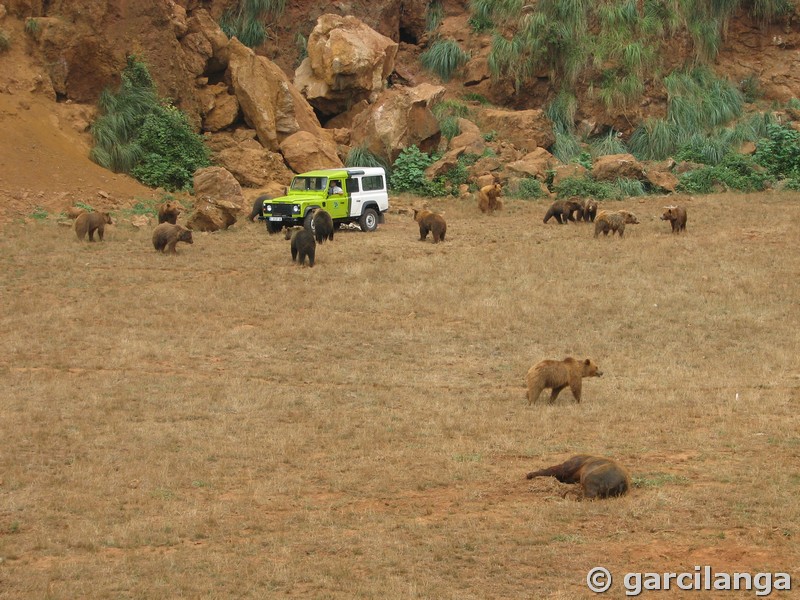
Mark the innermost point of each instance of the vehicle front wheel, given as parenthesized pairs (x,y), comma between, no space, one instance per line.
(273,227)
(368,220)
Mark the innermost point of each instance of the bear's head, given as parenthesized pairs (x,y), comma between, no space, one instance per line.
(185,235)
(629,217)
(420,214)
(670,213)
(106,217)
(590,369)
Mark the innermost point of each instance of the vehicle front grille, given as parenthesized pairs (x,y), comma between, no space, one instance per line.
(281,210)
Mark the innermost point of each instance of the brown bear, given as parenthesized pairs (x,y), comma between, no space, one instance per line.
(558,374)
(562,210)
(587,210)
(302,245)
(599,477)
(676,215)
(89,222)
(258,207)
(322,225)
(167,235)
(430,221)
(613,221)
(168,212)
(489,198)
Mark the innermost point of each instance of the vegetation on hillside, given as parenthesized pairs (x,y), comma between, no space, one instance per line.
(145,136)
(247,20)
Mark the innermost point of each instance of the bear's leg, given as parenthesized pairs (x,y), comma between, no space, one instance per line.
(556,391)
(575,386)
(423,233)
(294,253)
(100,231)
(91,234)
(171,246)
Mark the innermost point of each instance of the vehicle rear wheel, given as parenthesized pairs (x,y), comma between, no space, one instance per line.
(368,220)
(273,227)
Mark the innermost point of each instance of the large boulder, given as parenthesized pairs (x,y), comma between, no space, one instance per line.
(525,129)
(470,139)
(270,103)
(252,165)
(568,171)
(218,108)
(401,117)
(218,200)
(347,62)
(304,151)
(617,166)
(534,164)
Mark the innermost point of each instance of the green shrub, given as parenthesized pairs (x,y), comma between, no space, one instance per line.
(5,40)
(408,172)
(171,150)
(361,156)
(624,188)
(434,15)
(779,152)
(245,20)
(529,187)
(32,26)
(566,148)
(734,172)
(475,97)
(444,58)
(610,143)
(585,187)
(137,133)
(449,127)
(39,213)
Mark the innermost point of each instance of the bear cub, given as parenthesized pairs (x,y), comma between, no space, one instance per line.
(302,245)
(168,212)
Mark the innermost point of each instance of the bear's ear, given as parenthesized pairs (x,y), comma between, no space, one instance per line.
(587,362)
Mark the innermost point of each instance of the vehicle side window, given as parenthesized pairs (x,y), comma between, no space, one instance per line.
(352,186)
(373,182)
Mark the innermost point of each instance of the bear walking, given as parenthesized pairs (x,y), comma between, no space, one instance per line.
(558,374)
(322,224)
(430,221)
(613,221)
(562,210)
(302,245)
(489,198)
(587,210)
(168,212)
(89,222)
(167,235)
(599,477)
(676,215)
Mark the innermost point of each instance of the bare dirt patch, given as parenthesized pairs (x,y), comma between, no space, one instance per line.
(224,423)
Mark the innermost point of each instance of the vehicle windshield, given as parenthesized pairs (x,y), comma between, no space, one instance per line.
(309,184)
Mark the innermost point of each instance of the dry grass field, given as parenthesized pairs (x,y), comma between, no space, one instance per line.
(225,424)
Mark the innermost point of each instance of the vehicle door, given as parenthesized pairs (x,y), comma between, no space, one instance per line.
(373,189)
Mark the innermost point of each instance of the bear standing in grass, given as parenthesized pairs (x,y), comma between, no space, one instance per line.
(302,245)
(489,198)
(89,222)
(613,221)
(599,477)
(558,374)
(430,221)
(168,212)
(167,235)
(676,215)
(562,210)
(322,224)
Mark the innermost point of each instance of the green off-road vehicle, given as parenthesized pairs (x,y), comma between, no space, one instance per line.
(352,195)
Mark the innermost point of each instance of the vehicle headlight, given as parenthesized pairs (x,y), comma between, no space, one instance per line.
(295,208)
(268,208)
